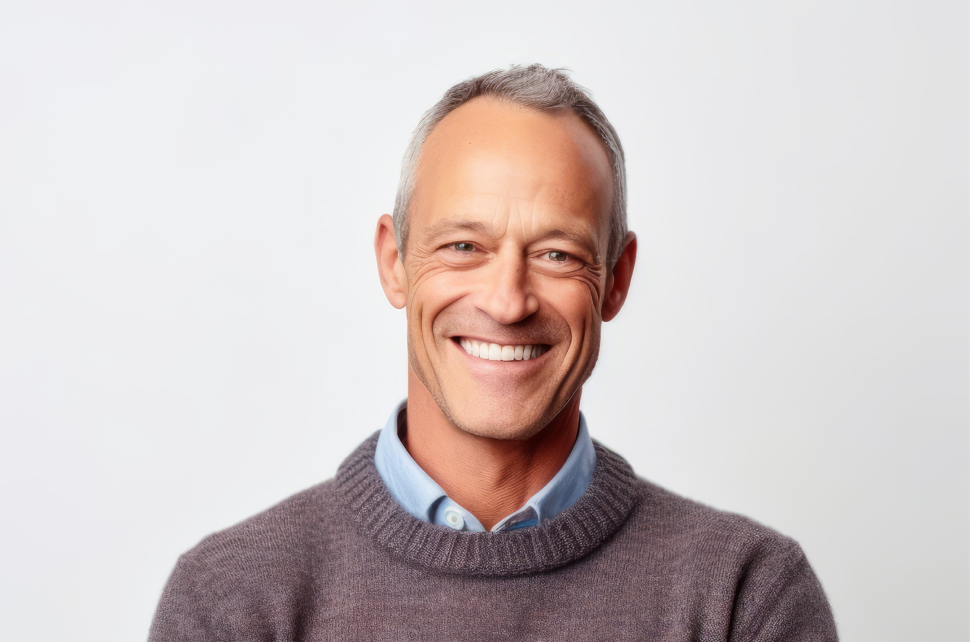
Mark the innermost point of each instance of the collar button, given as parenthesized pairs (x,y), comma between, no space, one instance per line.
(454,520)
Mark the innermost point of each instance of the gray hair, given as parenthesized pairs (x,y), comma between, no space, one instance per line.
(535,87)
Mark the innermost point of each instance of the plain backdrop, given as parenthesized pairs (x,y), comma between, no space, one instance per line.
(192,329)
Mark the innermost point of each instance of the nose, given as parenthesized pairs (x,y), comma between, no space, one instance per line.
(505,293)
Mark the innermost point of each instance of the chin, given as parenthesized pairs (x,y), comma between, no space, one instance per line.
(486,422)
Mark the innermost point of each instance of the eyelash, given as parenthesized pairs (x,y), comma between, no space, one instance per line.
(473,247)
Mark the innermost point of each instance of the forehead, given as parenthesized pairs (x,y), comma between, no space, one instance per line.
(491,159)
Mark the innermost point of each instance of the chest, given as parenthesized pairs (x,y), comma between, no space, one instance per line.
(598,598)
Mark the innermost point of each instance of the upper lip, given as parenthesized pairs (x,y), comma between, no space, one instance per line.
(502,342)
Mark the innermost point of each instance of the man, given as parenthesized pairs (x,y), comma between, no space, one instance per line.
(483,510)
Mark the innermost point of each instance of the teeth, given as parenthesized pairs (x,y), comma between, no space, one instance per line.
(497,352)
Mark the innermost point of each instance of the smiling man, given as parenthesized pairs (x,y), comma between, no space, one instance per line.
(483,509)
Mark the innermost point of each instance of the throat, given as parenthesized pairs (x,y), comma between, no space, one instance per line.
(491,478)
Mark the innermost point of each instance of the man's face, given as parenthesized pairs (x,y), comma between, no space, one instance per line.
(509,226)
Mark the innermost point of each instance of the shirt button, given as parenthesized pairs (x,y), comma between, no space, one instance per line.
(454,519)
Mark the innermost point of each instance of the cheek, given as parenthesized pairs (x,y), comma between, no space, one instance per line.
(575,299)
(431,289)
(585,285)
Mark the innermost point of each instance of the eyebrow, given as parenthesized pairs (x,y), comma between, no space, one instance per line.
(455,225)
(579,239)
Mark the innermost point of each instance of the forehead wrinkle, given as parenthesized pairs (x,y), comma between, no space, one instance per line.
(523,215)
(517,198)
(454,225)
(498,205)
(513,212)
(514,204)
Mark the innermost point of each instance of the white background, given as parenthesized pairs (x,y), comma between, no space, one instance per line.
(191,326)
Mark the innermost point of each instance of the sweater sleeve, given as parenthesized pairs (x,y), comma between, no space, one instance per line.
(781,599)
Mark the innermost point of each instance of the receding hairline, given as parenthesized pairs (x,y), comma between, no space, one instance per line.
(590,139)
(559,113)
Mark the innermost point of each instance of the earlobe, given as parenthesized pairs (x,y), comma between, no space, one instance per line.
(618,283)
(390,268)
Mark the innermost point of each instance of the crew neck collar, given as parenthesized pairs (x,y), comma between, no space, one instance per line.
(574,533)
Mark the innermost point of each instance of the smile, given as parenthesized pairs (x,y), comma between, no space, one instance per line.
(497,352)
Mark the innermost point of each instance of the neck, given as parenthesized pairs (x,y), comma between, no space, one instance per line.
(491,478)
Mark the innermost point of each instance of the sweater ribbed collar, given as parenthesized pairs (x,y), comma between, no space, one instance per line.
(572,534)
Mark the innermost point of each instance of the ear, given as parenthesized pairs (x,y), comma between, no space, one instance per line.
(618,283)
(389,266)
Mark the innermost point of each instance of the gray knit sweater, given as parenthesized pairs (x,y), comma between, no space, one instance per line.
(627,561)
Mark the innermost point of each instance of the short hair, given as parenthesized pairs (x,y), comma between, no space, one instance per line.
(535,87)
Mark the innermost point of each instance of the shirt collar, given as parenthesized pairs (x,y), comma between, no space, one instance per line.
(424,498)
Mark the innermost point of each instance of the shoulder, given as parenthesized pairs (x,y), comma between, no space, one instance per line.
(758,576)
(284,530)
(697,525)
(226,586)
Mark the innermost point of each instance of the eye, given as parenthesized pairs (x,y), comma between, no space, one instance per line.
(559,261)
(463,246)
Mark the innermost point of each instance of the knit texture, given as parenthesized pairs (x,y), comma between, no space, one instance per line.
(628,561)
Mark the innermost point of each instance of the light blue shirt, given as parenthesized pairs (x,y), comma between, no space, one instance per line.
(424,499)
